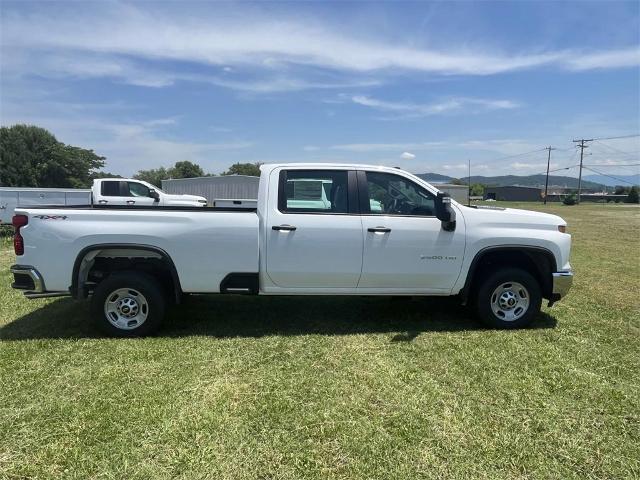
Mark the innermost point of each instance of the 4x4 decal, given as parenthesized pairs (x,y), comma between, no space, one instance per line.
(51,217)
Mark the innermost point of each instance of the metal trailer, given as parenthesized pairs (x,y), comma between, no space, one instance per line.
(13,197)
(219,191)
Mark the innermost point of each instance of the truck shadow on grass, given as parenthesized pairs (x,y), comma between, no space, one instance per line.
(236,316)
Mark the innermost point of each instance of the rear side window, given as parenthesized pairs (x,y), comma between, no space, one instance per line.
(313,191)
(110,188)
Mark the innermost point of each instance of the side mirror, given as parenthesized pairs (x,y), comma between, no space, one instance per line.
(444,212)
(153,194)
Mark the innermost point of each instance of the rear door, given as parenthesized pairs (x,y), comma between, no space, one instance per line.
(405,247)
(314,236)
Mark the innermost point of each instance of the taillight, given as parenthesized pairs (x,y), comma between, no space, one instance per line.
(18,221)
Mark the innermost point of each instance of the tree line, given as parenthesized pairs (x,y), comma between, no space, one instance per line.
(31,156)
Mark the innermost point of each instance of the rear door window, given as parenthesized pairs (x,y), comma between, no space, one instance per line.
(313,191)
(111,188)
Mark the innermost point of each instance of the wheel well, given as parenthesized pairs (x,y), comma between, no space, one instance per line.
(96,263)
(538,262)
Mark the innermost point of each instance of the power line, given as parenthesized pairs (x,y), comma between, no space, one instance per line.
(610,176)
(613,165)
(617,150)
(519,154)
(616,138)
(558,169)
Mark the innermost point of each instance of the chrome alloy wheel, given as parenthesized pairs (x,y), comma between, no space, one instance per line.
(510,301)
(126,308)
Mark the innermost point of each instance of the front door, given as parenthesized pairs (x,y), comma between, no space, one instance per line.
(314,236)
(405,247)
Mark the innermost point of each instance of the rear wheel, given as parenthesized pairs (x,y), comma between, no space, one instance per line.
(128,304)
(508,298)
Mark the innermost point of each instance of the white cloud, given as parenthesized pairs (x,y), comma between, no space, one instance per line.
(445,106)
(407,156)
(538,166)
(123,42)
(381,147)
(128,145)
(629,57)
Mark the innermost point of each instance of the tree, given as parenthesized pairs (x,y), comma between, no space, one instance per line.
(251,169)
(620,190)
(101,174)
(477,190)
(31,156)
(154,176)
(186,169)
(183,169)
(633,196)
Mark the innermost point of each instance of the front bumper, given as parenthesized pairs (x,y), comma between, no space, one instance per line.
(562,282)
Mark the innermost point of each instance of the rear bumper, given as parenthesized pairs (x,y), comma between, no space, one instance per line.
(29,280)
(26,277)
(562,282)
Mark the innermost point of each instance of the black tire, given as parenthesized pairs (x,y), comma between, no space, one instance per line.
(485,301)
(148,297)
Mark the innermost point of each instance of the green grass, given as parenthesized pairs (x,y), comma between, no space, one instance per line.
(296,388)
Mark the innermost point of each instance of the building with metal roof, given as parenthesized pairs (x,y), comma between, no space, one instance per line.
(215,188)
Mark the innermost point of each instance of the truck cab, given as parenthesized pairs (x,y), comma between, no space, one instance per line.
(126,191)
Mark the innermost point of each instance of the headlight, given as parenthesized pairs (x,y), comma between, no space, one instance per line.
(562,228)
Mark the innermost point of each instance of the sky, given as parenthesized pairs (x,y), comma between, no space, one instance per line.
(422,86)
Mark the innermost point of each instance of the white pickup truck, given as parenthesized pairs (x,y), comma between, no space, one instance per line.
(319,229)
(127,191)
(104,191)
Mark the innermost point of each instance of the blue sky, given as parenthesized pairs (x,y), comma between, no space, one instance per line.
(424,86)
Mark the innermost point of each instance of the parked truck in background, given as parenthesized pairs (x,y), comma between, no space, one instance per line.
(367,231)
(104,191)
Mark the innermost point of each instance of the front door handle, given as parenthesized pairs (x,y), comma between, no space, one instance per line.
(379,230)
(102,202)
(131,202)
(283,228)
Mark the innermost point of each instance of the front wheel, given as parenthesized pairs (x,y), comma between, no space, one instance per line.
(128,304)
(508,298)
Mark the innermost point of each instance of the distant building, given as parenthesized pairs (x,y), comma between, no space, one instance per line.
(513,193)
(235,187)
(459,193)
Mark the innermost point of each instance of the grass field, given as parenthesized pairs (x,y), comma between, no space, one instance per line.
(269,388)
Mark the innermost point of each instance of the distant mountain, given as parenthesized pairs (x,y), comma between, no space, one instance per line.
(533,181)
(611,182)
(435,178)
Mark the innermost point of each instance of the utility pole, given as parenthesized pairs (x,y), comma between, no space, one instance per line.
(469,183)
(546,183)
(582,147)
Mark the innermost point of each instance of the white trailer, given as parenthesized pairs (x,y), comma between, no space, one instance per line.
(13,197)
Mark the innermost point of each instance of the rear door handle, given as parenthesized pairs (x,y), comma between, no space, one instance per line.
(379,230)
(283,228)
(102,202)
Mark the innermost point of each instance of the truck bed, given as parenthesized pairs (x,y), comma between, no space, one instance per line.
(205,244)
